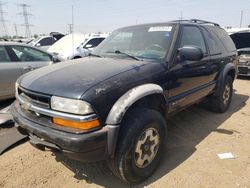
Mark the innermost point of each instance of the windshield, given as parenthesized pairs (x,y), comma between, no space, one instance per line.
(144,42)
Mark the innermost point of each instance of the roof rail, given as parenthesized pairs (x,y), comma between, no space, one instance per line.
(198,22)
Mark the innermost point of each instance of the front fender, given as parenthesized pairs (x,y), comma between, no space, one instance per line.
(120,107)
(128,99)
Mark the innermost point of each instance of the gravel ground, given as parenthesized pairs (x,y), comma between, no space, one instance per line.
(195,138)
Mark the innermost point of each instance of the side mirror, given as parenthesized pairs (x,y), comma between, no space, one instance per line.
(190,53)
(38,44)
(88,46)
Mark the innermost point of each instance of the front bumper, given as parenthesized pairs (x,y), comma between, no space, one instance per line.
(86,147)
(243,70)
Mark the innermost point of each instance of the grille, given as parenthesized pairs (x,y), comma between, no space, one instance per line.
(37,99)
(243,70)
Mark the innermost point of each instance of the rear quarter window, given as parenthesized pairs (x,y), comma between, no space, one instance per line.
(215,47)
(225,39)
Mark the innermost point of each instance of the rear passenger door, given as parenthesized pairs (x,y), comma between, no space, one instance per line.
(9,72)
(189,80)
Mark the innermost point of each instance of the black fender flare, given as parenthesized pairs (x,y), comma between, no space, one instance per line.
(121,106)
(222,76)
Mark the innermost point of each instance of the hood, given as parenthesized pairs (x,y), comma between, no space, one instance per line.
(72,78)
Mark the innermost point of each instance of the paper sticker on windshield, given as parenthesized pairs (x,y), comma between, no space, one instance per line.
(160,28)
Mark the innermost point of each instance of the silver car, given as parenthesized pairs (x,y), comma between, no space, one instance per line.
(17,59)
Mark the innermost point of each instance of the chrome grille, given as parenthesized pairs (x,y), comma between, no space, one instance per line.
(36,99)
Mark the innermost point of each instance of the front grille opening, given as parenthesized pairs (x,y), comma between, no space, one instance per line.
(35,98)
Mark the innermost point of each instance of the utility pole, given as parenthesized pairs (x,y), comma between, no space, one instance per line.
(70,28)
(241,18)
(26,16)
(15,28)
(2,20)
(181,18)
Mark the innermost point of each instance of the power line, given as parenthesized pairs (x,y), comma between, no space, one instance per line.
(2,20)
(26,16)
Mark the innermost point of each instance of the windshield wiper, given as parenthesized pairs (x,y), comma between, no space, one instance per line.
(95,55)
(127,54)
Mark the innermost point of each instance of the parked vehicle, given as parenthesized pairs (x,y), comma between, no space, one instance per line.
(81,47)
(17,59)
(242,43)
(44,42)
(114,104)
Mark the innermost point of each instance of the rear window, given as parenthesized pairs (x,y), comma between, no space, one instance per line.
(225,39)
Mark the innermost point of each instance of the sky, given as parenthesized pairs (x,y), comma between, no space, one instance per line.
(107,15)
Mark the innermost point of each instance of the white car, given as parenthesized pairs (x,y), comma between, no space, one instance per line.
(43,42)
(76,45)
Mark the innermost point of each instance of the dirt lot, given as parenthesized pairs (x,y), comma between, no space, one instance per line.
(196,136)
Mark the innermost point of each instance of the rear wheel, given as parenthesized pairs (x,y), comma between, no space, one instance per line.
(222,102)
(140,145)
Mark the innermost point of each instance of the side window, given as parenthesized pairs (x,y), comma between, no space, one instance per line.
(4,57)
(27,54)
(214,47)
(95,42)
(192,36)
(225,39)
(47,41)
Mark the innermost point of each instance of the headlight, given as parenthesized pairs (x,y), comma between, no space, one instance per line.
(70,105)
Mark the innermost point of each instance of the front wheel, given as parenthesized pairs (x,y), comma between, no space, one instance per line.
(140,145)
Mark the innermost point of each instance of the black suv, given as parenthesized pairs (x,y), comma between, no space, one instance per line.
(114,104)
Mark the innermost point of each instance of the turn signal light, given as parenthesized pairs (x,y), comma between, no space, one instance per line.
(77,125)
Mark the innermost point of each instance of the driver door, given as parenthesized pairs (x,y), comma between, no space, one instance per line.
(9,72)
(189,80)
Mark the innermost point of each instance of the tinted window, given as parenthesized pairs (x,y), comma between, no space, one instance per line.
(4,57)
(47,41)
(26,54)
(192,36)
(214,47)
(95,42)
(225,39)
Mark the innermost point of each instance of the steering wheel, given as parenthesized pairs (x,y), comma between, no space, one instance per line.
(154,47)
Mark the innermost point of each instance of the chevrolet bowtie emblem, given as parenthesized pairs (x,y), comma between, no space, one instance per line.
(26,106)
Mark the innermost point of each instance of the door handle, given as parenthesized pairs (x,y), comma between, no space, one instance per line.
(28,68)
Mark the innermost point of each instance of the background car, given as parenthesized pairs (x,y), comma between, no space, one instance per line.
(17,59)
(45,42)
(76,45)
(242,42)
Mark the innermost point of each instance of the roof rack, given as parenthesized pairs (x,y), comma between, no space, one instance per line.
(198,22)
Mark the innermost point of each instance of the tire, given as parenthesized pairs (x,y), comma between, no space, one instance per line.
(134,146)
(221,103)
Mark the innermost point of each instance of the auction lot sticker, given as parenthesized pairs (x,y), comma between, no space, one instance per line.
(160,28)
